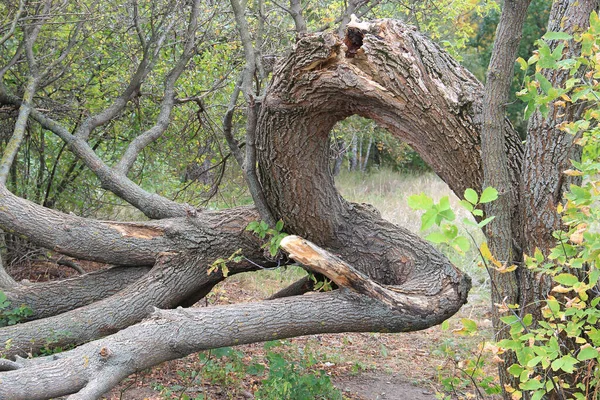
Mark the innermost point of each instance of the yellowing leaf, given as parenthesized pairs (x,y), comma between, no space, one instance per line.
(487,254)
(561,289)
(577,236)
(572,172)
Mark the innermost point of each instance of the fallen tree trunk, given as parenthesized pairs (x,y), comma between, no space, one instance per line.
(55,297)
(392,279)
(173,334)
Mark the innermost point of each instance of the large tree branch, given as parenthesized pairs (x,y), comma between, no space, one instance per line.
(55,297)
(173,334)
(124,243)
(173,279)
(152,205)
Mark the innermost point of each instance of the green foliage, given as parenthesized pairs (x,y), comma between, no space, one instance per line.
(559,353)
(275,235)
(583,71)
(221,263)
(12,315)
(287,373)
(293,380)
(441,215)
(466,369)
(323,285)
(468,366)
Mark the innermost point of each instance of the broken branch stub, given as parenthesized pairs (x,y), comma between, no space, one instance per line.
(344,275)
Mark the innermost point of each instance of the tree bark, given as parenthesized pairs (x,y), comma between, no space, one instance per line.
(413,285)
(504,231)
(92,369)
(548,153)
(55,297)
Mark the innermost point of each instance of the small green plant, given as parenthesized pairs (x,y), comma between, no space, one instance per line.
(558,354)
(262,230)
(294,380)
(14,315)
(221,263)
(290,375)
(321,285)
(441,215)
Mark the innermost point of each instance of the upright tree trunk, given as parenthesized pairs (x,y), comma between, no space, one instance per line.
(548,153)
(353,155)
(502,232)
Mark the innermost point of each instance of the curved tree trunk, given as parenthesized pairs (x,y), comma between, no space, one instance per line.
(405,284)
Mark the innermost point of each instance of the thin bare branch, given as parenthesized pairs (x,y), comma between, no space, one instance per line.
(13,25)
(145,66)
(151,204)
(18,135)
(164,117)
(249,165)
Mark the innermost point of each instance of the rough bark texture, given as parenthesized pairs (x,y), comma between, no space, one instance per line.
(503,232)
(318,86)
(55,297)
(95,367)
(548,153)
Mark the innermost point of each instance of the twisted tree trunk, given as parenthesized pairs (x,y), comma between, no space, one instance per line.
(391,279)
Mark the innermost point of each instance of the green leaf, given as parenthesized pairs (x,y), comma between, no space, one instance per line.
(587,353)
(428,219)
(515,370)
(486,221)
(445,325)
(469,325)
(437,237)
(569,364)
(566,279)
(557,364)
(252,226)
(444,203)
(255,369)
(279,226)
(531,384)
(471,196)
(466,205)
(545,84)
(462,243)
(522,63)
(420,202)
(489,194)
(557,36)
(534,361)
